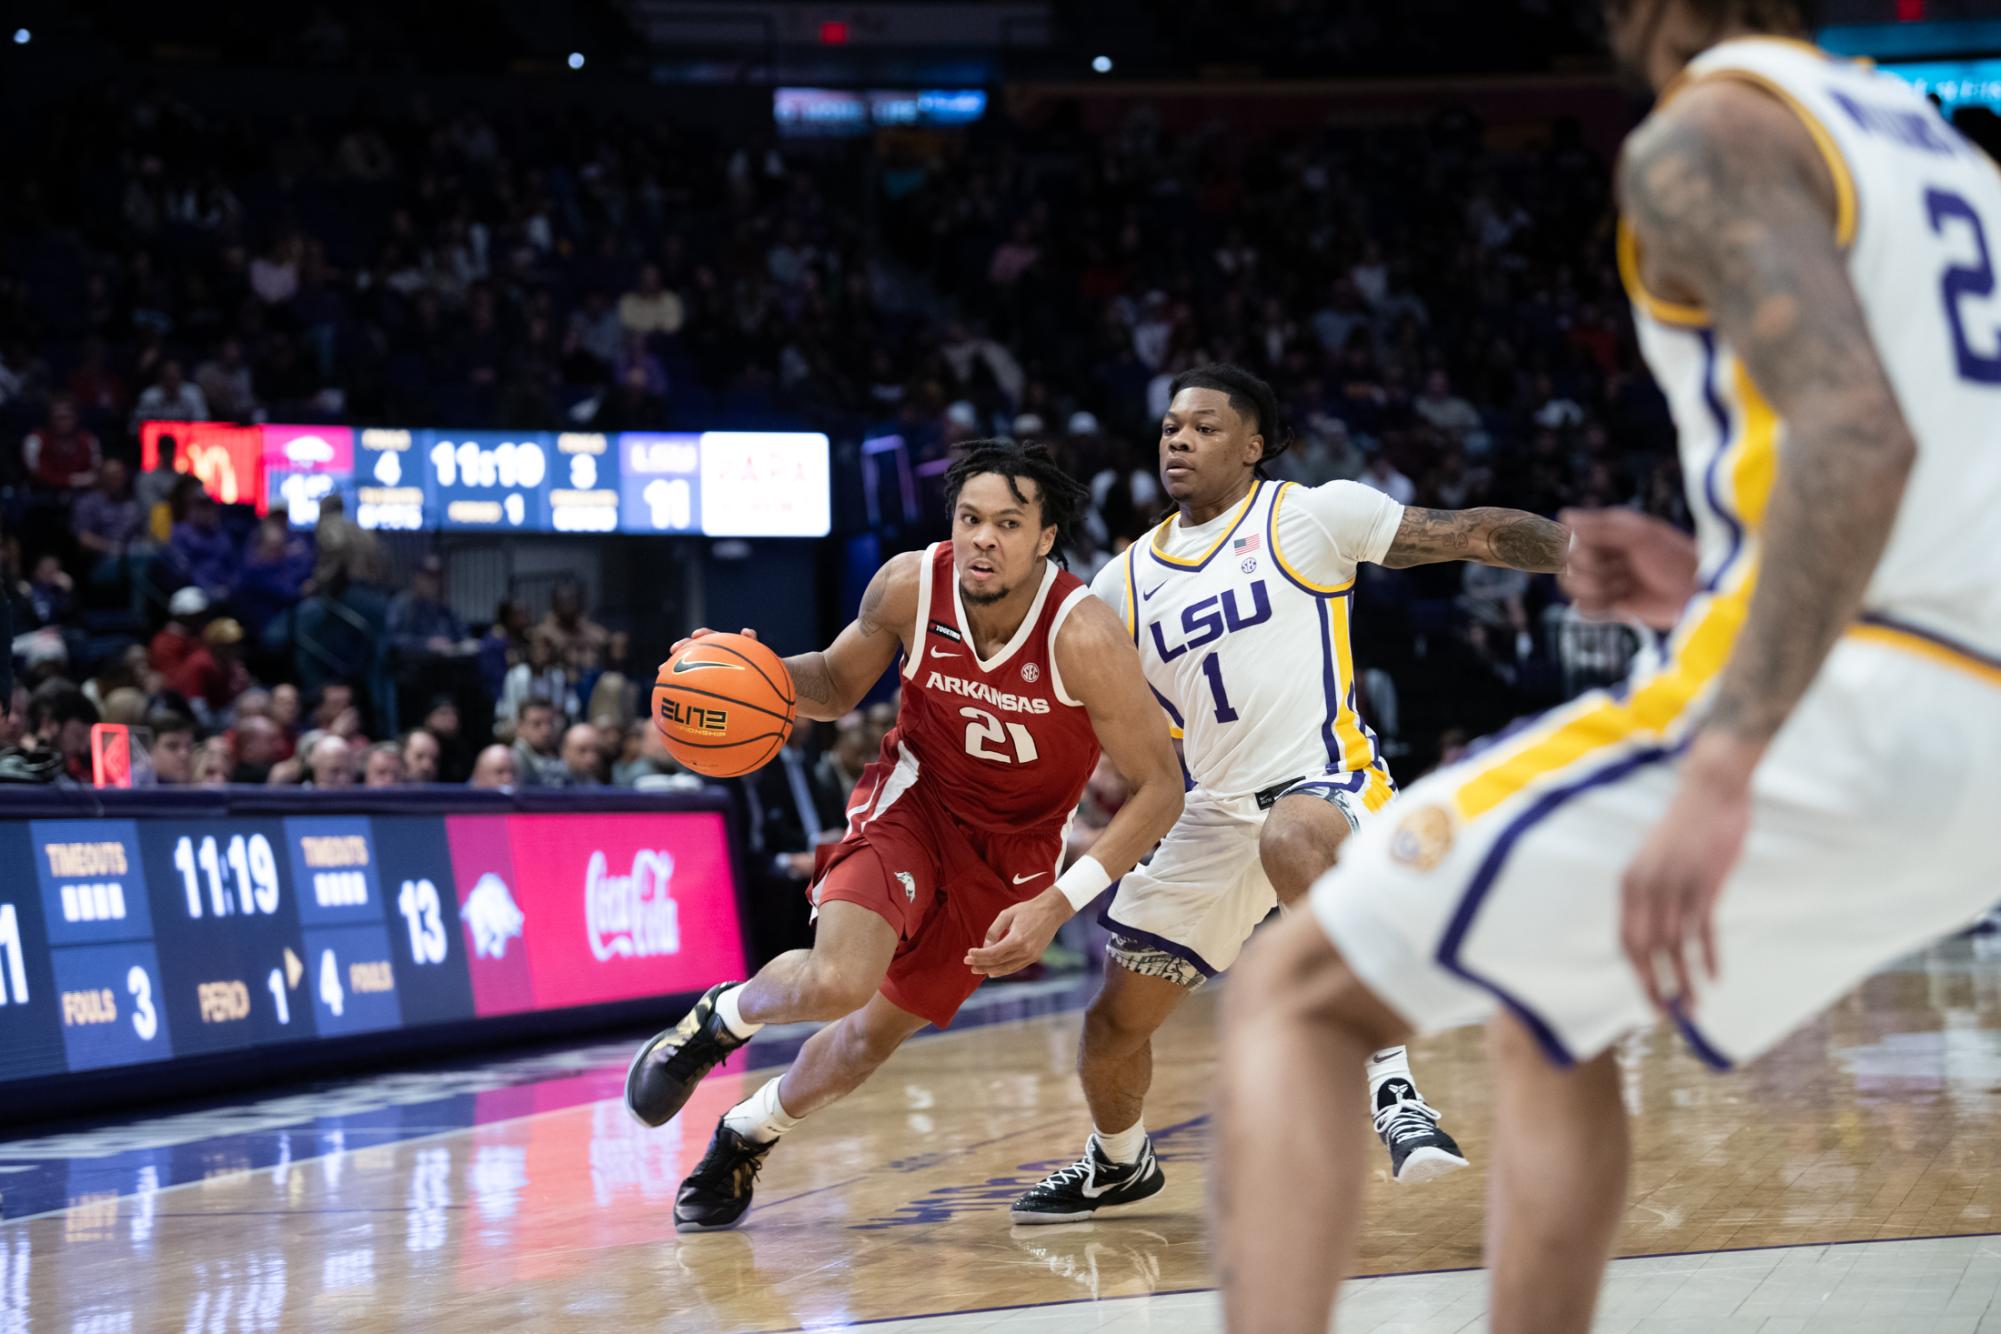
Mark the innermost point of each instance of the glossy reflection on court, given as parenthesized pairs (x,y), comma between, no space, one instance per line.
(1876,1122)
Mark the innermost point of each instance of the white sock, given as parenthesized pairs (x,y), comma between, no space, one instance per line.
(1125,1146)
(1390,1063)
(760,1118)
(732,1018)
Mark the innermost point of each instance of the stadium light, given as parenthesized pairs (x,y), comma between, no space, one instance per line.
(1102,64)
(22,36)
(576,60)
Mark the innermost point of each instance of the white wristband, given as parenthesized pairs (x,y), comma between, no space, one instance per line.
(1084,881)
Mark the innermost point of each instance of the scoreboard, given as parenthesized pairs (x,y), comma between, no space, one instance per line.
(128,941)
(708,483)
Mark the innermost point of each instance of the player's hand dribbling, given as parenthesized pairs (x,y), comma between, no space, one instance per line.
(1630,566)
(1020,934)
(697,633)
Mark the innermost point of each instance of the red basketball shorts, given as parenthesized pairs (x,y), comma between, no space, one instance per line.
(940,883)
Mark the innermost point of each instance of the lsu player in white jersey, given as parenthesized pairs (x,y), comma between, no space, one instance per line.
(1804,791)
(1240,604)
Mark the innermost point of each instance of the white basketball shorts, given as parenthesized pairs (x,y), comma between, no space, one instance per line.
(1186,913)
(1494,883)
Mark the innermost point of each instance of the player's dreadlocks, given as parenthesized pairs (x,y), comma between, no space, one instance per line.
(1063,498)
(1250,398)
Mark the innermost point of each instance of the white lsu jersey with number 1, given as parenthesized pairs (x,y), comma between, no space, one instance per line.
(1918,218)
(1242,627)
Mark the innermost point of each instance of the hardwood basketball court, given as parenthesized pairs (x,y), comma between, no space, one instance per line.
(542,1205)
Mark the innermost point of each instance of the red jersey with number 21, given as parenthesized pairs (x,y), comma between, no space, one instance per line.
(997,743)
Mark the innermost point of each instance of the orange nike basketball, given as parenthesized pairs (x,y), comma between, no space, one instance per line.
(724,705)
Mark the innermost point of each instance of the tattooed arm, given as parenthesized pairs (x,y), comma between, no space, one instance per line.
(833,680)
(1490,536)
(1733,206)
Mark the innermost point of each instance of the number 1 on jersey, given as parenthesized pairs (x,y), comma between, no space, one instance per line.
(1212,667)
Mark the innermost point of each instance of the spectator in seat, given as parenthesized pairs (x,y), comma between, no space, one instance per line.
(881,717)
(256,749)
(537,761)
(644,755)
(421,754)
(122,671)
(50,592)
(277,565)
(650,308)
(199,551)
(187,611)
(286,708)
(1445,410)
(540,676)
(330,763)
(154,490)
(840,765)
(107,523)
(382,766)
(173,749)
(96,387)
(214,762)
(169,398)
(443,723)
(495,768)
(505,642)
(213,675)
(583,757)
(337,713)
(125,706)
(1498,598)
(224,380)
(59,723)
(420,624)
(14,718)
(348,553)
(61,456)
(569,625)
(597,332)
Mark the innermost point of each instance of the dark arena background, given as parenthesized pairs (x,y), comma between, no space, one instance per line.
(384,390)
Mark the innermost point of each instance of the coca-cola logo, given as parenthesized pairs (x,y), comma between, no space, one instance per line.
(632,916)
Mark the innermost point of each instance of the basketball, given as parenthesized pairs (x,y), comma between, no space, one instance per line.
(724,705)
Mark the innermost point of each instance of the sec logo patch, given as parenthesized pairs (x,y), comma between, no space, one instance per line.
(1030,673)
(1423,837)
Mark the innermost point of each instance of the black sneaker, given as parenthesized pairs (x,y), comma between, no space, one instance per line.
(1079,1192)
(716,1194)
(1408,1125)
(664,1073)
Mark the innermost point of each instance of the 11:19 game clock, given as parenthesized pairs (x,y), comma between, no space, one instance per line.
(141,939)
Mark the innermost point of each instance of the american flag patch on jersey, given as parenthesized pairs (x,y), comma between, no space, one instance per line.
(1243,544)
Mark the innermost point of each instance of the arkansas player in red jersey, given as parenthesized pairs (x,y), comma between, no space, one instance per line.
(1014,677)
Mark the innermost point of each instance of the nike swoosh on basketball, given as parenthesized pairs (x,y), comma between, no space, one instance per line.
(1147,596)
(941,653)
(1024,879)
(682,665)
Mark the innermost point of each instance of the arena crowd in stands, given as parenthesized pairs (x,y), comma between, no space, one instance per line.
(1440,314)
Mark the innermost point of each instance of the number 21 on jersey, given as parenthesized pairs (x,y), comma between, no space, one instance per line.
(987,738)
